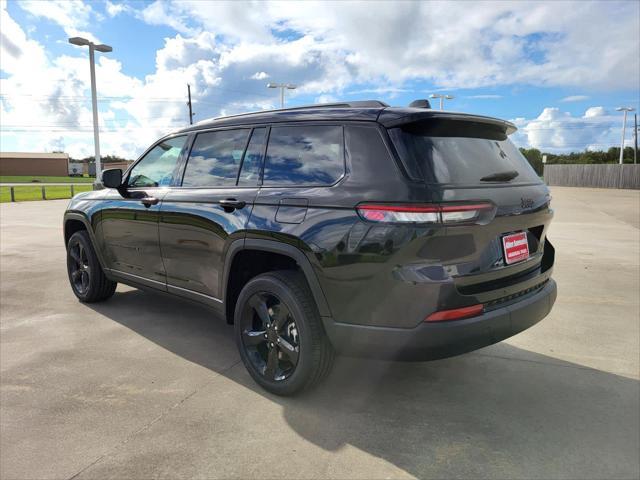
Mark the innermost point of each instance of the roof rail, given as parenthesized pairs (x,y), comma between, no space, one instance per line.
(349,104)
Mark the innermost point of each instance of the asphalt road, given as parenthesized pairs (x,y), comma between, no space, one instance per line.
(146,386)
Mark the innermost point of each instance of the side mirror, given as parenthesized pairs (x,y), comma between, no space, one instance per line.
(112,178)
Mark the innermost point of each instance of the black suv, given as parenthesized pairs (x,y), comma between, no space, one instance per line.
(357,228)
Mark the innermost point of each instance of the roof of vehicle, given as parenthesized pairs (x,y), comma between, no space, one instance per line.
(367,111)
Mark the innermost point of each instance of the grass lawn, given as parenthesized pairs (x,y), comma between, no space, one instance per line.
(35,193)
(28,179)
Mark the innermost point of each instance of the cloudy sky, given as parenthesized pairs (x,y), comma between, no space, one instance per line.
(557,69)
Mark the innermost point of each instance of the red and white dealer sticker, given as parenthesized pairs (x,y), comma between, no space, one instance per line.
(516,247)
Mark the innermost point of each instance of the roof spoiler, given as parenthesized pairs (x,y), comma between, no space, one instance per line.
(395,119)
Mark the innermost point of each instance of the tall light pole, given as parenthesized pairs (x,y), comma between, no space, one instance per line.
(635,138)
(281,86)
(81,42)
(624,126)
(442,98)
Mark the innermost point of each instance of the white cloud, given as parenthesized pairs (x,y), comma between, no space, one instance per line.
(456,44)
(157,14)
(595,112)
(326,99)
(575,98)
(114,9)
(72,15)
(328,50)
(557,131)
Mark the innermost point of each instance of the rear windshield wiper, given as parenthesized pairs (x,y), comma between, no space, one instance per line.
(500,176)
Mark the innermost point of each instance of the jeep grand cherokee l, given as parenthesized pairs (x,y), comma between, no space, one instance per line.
(356,228)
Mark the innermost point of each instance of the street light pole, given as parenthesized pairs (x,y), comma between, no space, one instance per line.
(281,86)
(94,100)
(635,138)
(94,105)
(442,98)
(624,126)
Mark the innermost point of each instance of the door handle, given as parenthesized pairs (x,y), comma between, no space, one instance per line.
(148,201)
(231,204)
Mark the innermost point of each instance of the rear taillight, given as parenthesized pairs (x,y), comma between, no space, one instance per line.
(455,314)
(424,213)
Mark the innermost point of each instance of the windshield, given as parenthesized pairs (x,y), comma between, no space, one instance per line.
(462,153)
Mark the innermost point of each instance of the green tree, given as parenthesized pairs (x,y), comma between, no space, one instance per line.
(534,157)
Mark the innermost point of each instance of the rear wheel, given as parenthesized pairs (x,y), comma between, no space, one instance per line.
(279,333)
(87,279)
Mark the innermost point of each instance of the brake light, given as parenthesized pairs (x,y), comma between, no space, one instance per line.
(423,213)
(455,314)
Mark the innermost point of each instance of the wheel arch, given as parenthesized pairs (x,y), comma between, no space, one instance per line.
(286,250)
(76,221)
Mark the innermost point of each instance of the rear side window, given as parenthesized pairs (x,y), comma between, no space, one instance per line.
(304,155)
(215,158)
(465,153)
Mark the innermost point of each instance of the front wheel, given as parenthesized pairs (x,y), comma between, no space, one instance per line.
(87,279)
(279,333)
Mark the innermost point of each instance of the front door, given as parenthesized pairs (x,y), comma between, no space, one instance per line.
(200,218)
(129,224)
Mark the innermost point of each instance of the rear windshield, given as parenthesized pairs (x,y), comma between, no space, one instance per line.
(455,152)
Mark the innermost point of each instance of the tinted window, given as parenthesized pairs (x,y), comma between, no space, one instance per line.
(252,162)
(157,167)
(215,158)
(459,153)
(304,155)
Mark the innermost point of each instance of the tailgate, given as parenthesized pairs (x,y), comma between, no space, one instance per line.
(463,161)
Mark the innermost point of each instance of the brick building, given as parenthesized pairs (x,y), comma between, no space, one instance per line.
(34,164)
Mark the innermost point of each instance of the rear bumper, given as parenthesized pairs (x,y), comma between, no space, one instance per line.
(430,341)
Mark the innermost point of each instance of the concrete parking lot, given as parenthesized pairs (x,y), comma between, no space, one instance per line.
(147,386)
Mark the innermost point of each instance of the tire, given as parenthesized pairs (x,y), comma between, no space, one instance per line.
(86,277)
(294,322)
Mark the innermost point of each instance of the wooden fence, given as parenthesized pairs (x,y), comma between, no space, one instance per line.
(597,176)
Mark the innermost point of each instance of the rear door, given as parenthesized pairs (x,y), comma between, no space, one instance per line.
(200,218)
(467,162)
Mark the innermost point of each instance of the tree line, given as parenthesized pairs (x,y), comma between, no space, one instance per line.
(104,159)
(534,156)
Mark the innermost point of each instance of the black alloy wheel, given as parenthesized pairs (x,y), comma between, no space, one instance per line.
(270,336)
(88,281)
(279,333)
(79,270)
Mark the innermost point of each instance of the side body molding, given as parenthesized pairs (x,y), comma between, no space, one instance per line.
(284,249)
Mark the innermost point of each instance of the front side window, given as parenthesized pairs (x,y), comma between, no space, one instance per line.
(157,167)
(304,155)
(215,158)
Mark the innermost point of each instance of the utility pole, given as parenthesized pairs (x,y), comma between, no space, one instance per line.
(635,138)
(624,127)
(191,114)
(282,86)
(79,41)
